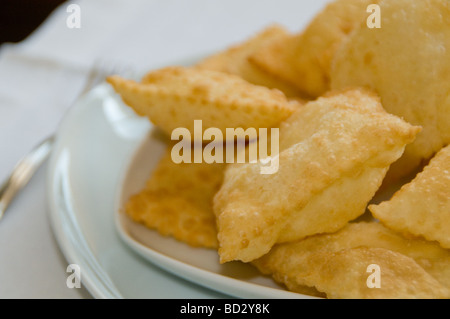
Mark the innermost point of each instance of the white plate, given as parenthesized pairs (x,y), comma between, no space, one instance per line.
(94,143)
(103,153)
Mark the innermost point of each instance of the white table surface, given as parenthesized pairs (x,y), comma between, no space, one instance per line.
(40,77)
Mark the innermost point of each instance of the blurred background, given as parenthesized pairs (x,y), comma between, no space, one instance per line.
(18,18)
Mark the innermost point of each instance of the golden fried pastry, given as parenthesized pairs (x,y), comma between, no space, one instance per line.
(304,59)
(177,201)
(422,207)
(174,97)
(344,275)
(302,263)
(235,61)
(334,153)
(406,62)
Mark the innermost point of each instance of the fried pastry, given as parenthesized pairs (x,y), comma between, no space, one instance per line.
(422,207)
(334,153)
(301,263)
(174,97)
(177,201)
(235,60)
(344,275)
(304,59)
(406,62)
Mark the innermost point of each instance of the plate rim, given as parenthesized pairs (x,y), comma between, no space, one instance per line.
(96,281)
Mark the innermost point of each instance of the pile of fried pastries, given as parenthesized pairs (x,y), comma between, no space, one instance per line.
(358,110)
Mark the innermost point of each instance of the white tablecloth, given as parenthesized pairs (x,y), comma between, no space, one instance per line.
(40,77)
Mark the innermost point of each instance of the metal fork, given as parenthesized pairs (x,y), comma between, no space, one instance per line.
(27,166)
